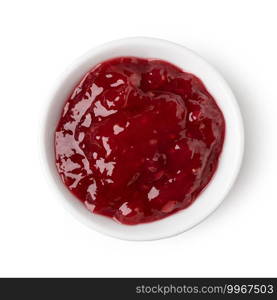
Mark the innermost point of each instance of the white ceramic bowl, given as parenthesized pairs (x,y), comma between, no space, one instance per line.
(230,160)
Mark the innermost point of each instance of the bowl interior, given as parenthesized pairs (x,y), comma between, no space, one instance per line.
(232,152)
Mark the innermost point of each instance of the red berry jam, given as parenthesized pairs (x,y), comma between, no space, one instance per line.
(138,139)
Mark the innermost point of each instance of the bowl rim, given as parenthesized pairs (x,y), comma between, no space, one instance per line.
(167,226)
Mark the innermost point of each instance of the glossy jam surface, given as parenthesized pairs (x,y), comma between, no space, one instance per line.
(138,139)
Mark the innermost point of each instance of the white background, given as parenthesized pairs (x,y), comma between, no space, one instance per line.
(38,40)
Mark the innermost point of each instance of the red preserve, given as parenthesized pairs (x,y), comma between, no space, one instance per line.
(138,139)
